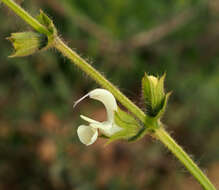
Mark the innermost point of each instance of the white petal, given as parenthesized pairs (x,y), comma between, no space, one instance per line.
(87,134)
(103,125)
(109,131)
(96,124)
(107,99)
(89,120)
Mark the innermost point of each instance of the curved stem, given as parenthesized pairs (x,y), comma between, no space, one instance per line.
(160,133)
(167,140)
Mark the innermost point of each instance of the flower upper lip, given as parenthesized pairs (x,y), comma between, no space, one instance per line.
(105,97)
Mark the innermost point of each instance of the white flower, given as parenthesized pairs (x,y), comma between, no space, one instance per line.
(88,133)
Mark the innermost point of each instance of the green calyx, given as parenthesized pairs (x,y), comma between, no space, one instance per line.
(154,96)
(128,124)
(28,43)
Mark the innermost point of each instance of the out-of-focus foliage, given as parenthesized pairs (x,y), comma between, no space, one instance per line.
(39,148)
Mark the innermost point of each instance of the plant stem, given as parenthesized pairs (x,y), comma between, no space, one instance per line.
(81,63)
(26,16)
(160,133)
(100,79)
(167,140)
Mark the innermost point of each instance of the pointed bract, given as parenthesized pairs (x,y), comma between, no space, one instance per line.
(47,22)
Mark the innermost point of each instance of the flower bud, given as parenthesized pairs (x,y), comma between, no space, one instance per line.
(27,43)
(154,95)
(153,80)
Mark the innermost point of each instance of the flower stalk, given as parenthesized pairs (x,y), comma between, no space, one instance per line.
(158,132)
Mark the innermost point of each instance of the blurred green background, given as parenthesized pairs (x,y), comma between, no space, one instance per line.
(39,147)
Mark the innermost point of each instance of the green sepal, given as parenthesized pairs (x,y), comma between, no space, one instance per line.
(160,89)
(125,120)
(47,22)
(162,110)
(128,123)
(150,124)
(124,134)
(140,134)
(27,43)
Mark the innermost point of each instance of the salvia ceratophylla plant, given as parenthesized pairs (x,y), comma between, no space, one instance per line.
(129,125)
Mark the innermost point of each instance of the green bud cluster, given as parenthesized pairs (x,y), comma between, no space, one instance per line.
(155,101)
(154,95)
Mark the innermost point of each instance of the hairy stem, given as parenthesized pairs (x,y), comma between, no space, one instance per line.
(160,133)
(81,63)
(26,17)
(167,140)
(100,79)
